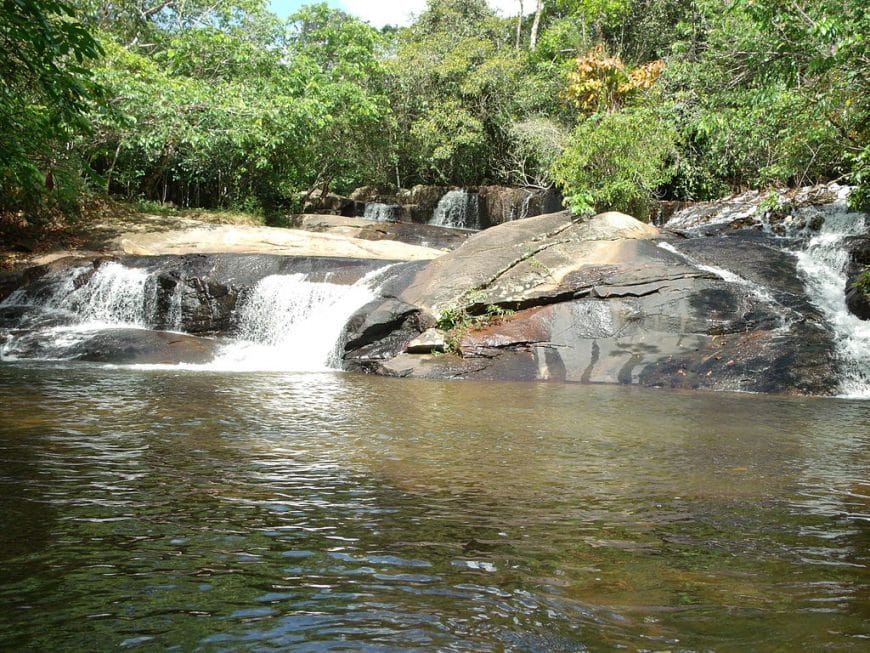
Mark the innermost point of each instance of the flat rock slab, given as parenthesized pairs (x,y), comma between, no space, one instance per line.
(213,239)
(524,262)
(422,235)
(123,346)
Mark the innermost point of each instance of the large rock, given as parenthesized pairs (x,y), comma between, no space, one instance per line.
(524,263)
(600,300)
(214,239)
(857,296)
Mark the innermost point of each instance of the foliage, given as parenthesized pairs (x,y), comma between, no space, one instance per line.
(601,83)
(217,103)
(457,83)
(617,161)
(226,117)
(457,321)
(536,144)
(771,94)
(44,90)
(862,282)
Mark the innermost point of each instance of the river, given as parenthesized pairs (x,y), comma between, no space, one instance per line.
(155,509)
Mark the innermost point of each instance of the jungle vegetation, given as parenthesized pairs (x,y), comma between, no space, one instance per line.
(218,103)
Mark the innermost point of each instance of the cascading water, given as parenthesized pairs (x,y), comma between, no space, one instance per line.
(114,295)
(284,323)
(71,307)
(817,236)
(458,209)
(289,323)
(380,212)
(823,262)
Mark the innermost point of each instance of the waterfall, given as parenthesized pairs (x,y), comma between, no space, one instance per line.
(288,323)
(112,295)
(284,322)
(381,212)
(817,236)
(524,207)
(457,209)
(823,263)
(71,306)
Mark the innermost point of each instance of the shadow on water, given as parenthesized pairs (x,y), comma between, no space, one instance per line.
(317,512)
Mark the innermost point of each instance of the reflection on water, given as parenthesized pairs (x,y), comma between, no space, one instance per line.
(158,509)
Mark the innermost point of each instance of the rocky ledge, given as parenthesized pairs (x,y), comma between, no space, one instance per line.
(723,298)
(605,299)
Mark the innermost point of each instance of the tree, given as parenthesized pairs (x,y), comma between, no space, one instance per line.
(44,91)
(771,94)
(345,81)
(536,25)
(456,83)
(617,161)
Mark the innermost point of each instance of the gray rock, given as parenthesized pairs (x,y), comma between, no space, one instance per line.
(119,347)
(598,301)
(430,341)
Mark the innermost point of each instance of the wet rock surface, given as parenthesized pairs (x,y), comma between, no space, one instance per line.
(118,347)
(612,300)
(717,300)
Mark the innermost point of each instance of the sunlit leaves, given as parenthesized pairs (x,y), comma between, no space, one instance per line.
(44,89)
(602,83)
(616,161)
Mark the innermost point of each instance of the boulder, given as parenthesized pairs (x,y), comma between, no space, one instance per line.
(380,331)
(526,262)
(600,300)
(858,302)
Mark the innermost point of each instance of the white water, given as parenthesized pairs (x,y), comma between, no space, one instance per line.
(381,212)
(707,214)
(290,324)
(114,296)
(823,264)
(70,311)
(458,209)
(285,322)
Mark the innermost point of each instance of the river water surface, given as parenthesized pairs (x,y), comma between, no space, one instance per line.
(170,510)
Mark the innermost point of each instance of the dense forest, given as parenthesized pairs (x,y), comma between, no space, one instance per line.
(219,103)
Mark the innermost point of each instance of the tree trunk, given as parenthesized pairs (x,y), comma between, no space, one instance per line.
(533,40)
(520,25)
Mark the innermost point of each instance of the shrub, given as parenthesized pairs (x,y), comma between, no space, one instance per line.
(617,161)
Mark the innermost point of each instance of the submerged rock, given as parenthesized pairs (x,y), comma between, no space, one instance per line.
(122,346)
